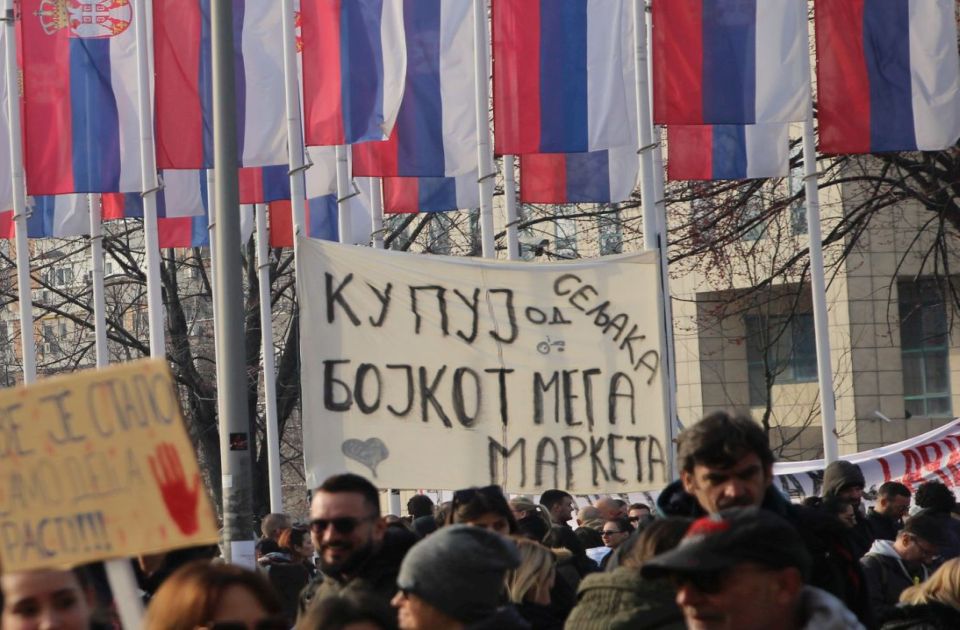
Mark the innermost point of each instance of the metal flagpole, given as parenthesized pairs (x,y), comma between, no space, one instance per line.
(376,211)
(486,169)
(291,84)
(269,371)
(99,301)
(212,240)
(510,192)
(818,289)
(235,458)
(148,173)
(652,236)
(24,293)
(344,193)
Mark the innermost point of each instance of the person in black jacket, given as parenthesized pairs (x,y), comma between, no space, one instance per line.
(885,519)
(931,605)
(726,462)
(843,481)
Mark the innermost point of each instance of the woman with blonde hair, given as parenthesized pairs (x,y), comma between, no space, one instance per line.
(930,605)
(529,585)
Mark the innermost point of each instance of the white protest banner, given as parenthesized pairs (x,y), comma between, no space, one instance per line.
(426,371)
(932,456)
(97,465)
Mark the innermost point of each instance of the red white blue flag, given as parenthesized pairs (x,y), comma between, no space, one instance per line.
(563,75)
(708,152)
(184,194)
(264,184)
(184,91)
(730,62)
(322,216)
(608,176)
(888,75)
(436,130)
(405,195)
(48,216)
(195,231)
(354,62)
(80,117)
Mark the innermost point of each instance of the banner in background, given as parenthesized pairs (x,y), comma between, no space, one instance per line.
(98,465)
(424,372)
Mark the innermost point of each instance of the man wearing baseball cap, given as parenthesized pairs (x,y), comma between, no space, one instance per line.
(745,568)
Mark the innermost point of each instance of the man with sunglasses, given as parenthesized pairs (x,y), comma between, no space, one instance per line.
(745,568)
(726,462)
(891,567)
(357,551)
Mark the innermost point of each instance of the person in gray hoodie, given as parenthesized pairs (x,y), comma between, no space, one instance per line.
(892,566)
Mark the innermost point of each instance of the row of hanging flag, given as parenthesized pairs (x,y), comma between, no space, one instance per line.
(396,79)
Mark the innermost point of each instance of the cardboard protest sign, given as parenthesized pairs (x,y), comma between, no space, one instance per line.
(932,456)
(425,372)
(96,465)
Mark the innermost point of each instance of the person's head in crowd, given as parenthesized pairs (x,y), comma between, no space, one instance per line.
(349,610)
(921,538)
(741,569)
(46,599)
(533,521)
(560,505)
(201,594)
(272,524)
(844,480)
(297,542)
(420,505)
(423,526)
(639,513)
(345,523)
(935,496)
(893,500)
(589,516)
(265,546)
(521,506)
(840,509)
(725,462)
(615,531)
(442,511)
(482,507)
(533,580)
(943,587)
(454,577)
(611,508)
(658,537)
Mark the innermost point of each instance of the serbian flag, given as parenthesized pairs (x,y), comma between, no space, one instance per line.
(184,91)
(195,231)
(563,75)
(436,130)
(264,184)
(60,216)
(184,194)
(707,152)
(80,118)
(354,61)
(322,220)
(888,75)
(406,195)
(735,62)
(608,176)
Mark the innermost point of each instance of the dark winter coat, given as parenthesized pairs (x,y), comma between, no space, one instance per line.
(843,474)
(506,618)
(835,569)
(540,617)
(882,527)
(621,599)
(887,575)
(932,616)
(378,576)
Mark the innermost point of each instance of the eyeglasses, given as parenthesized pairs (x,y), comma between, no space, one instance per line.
(343,525)
(610,532)
(709,583)
(928,552)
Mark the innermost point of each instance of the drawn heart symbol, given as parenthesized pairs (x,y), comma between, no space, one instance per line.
(368,452)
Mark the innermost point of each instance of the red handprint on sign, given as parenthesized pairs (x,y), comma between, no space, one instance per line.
(181,501)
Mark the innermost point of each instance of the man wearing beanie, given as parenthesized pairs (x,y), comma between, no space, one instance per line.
(844,480)
(454,580)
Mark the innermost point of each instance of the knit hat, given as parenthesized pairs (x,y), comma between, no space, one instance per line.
(929,526)
(723,540)
(459,570)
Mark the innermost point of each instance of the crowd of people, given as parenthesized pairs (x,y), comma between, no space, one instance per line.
(722,548)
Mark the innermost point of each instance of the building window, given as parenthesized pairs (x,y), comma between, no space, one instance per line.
(924,350)
(439,233)
(611,232)
(753,227)
(782,345)
(565,234)
(798,209)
